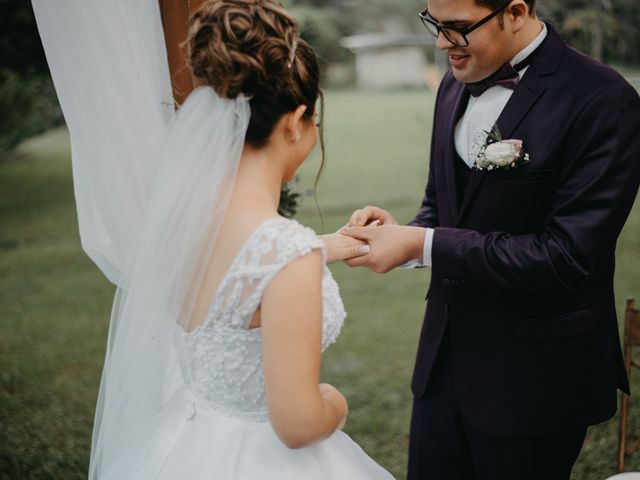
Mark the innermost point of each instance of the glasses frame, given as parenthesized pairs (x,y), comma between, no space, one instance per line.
(427,20)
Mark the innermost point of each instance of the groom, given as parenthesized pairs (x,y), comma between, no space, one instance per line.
(519,351)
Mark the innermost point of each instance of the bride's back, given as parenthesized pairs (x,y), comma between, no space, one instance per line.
(221,359)
(237,230)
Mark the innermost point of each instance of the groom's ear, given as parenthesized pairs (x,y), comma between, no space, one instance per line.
(518,13)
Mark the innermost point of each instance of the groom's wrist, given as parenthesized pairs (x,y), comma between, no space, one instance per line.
(416,245)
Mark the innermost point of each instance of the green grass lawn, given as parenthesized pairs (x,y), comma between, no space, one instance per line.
(55,304)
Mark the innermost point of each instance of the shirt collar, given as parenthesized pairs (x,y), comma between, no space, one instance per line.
(529,49)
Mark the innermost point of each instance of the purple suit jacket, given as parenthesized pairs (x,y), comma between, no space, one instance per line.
(523,269)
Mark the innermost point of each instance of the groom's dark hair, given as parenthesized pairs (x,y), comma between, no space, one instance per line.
(495,4)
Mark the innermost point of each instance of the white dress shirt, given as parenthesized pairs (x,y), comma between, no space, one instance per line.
(483,111)
(481,115)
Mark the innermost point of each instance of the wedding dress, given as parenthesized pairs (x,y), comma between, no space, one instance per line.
(216,426)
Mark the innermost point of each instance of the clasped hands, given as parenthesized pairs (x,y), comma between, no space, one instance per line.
(373,239)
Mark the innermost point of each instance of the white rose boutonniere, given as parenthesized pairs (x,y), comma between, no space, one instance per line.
(498,153)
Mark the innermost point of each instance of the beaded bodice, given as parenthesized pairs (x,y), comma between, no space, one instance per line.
(221,361)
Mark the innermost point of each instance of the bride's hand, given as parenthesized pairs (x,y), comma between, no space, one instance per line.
(333,395)
(368,215)
(341,247)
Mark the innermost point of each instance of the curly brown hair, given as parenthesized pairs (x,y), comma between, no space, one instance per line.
(252,47)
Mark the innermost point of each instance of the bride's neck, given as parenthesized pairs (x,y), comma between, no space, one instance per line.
(258,181)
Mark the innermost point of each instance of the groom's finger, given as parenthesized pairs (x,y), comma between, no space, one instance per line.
(360,261)
(364,216)
(353,220)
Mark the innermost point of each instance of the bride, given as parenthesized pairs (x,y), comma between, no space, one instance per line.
(223,308)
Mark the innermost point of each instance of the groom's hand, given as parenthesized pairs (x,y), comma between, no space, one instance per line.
(391,246)
(368,215)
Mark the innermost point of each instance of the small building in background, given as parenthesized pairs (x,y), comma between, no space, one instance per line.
(395,60)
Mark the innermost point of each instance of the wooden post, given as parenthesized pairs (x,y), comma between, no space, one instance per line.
(629,340)
(175,17)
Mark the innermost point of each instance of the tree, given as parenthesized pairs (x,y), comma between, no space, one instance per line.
(28,103)
(605,29)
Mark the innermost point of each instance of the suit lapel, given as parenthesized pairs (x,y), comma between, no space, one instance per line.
(459,97)
(520,103)
(524,97)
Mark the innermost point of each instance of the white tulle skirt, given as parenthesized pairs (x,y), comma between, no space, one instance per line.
(208,445)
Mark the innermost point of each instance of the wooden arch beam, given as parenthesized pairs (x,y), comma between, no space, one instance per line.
(175,18)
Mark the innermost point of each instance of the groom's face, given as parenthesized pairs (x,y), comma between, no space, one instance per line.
(489,45)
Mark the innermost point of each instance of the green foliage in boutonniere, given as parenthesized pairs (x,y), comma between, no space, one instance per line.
(494,136)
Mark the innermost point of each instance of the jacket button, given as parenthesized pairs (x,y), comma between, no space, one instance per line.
(446,281)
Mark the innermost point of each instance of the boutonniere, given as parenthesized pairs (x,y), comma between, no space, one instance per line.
(497,153)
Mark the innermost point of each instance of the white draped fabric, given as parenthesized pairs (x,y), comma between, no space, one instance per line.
(109,65)
(152,189)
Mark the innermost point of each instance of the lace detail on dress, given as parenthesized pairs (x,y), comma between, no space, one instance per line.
(221,361)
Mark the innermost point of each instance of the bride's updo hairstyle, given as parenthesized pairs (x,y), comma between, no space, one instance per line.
(252,47)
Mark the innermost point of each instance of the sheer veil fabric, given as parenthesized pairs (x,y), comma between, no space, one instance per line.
(151,187)
(109,66)
(184,214)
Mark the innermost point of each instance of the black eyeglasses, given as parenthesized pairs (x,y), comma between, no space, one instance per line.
(456,36)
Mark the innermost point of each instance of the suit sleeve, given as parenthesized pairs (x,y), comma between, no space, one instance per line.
(427,215)
(596,190)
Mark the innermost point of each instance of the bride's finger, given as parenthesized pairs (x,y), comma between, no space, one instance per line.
(361,250)
(365,234)
(352,252)
(342,423)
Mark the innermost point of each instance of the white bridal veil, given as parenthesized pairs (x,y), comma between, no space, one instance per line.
(151,190)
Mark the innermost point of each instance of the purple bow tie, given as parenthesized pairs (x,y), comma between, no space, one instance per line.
(506,77)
